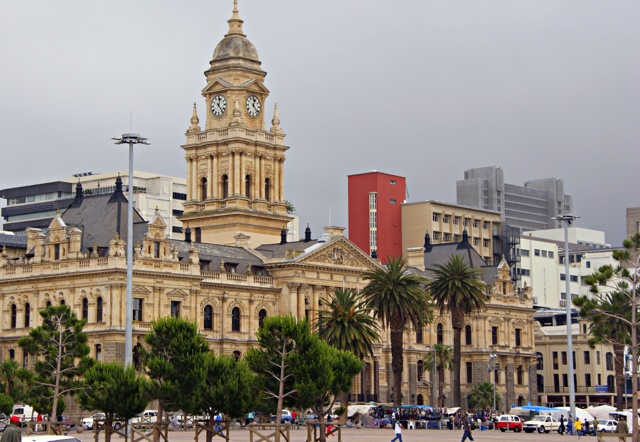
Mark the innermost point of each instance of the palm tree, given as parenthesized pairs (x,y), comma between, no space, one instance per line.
(347,324)
(443,361)
(457,288)
(609,322)
(482,396)
(397,298)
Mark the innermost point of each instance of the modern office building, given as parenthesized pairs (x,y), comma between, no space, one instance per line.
(35,205)
(375,216)
(528,207)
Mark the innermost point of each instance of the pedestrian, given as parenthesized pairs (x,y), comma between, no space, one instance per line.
(294,416)
(467,428)
(11,432)
(570,425)
(586,427)
(578,427)
(621,428)
(398,430)
(561,428)
(38,422)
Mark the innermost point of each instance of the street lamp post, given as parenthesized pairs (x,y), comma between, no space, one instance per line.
(492,369)
(568,219)
(433,376)
(129,139)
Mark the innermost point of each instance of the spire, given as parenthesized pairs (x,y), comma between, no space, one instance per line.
(194,120)
(235,23)
(275,122)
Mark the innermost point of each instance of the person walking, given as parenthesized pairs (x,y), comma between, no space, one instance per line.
(578,427)
(467,428)
(621,428)
(398,430)
(561,428)
(569,425)
(11,432)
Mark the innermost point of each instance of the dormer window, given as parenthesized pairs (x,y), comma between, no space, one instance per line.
(156,250)
(230,267)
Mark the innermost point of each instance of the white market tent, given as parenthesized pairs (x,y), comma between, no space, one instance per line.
(564,411)
(601,411)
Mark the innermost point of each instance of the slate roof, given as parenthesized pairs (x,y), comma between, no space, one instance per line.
(101,217)
(17,240)
(214,253)
(279,251)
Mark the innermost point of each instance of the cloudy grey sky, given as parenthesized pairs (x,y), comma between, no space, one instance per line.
(419,88)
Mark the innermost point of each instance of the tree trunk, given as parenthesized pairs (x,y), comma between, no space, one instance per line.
(618,368)
(397,336)
(440,401)
(457,322)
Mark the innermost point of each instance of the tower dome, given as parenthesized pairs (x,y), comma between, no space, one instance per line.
(235,50)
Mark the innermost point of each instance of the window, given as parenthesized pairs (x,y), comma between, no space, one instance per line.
(485,225)
(203,188)
(524,252)
(392,181)
(518,337)
(565,380)
(230,267)
(476,223)
(494,335)
(539,362)
(439,337)
(573,278)
(598,358)
(467,335)
(456,220)
(519,377)
(85,309)
(556,383)
(536,252)
(554,357)
(446,219)
(436,217)
(588,264)
(14,316)
(550,254)
(543,253)
(156,250)
(419,336)
(179,196)
(236,355)
(208,317)
(436,236)
(27,315)
(609,361)
(392,201)
(12,354)
(587,380)
(235,319)
(485,243)
(476,241)
(563,277)
(247,186)
(48,304)
(176,212)
(466,222)
(447,237)
(99,309)
(564,358)
(420,367)
(137,309)
(469,373)
(262,314)
(25,359)
(175,309)
(98,349)
(225,187)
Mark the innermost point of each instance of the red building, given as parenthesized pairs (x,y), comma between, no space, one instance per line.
(375,223)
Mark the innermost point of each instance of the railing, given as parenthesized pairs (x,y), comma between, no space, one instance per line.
(240,132)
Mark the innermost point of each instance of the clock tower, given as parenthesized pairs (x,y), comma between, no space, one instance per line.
(235,166)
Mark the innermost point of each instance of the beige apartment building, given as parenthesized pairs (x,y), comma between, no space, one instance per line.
(445,223)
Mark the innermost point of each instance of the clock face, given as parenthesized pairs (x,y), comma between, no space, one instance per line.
(253,105)
(218,105)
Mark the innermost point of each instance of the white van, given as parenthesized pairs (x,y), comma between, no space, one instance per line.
(24,412)
(145,419)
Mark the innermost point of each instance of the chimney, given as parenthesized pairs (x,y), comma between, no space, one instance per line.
(187,235)
(374,254)
(283,236)
(334,231)
(307,234)
(415,257)
(427,242)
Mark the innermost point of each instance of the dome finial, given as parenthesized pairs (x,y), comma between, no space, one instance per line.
(194,120)
(275,121)
(235,22)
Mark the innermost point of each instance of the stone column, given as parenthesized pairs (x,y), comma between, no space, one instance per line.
(294,289)
(237,158)
(243,173)
(209,177)
(276,180)
(215,178)
(304,289)
(281,179)
(258,190)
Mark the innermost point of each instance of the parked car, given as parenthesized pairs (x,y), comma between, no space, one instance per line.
(145,419)
(541,424)
(67,423)
(607,426)
(48,438)
(509,422)
(88,421)
(284,417)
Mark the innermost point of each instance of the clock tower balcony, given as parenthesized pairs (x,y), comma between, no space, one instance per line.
(234,133)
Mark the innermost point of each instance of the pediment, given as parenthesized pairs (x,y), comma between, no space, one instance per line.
(495,320)
(140,290)
(158,221)
(255,86)
(57,223)
(177,293)
(216,85)
(338,252)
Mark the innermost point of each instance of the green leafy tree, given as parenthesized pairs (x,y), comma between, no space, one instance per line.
(6,404)
(482,395)
(116,390)
(14,379)
(443,362)
(229,387)
(271,360)
(61,349)
(347,324)
(609,318)
(457,288)
(174,363)
(321,373)
(397,299)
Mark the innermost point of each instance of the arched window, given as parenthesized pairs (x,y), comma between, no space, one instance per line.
(99,309)
(225,186)
(519,375)
(609,360)
(261,315)
(48,304)
(247,186)
(237,354)
(14,316)
(469,372)
(27,315)
(98,352)
(439,337)
(85,309)
(63,302)
(25,359)
(235,319)
(203,188)
(420,369)
(611,382)
(467,335)
(208,317)
(267,189)
(539,362)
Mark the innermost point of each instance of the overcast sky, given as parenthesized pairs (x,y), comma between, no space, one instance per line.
(416,88)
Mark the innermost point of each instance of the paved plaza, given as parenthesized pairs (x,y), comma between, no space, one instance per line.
(368,435)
